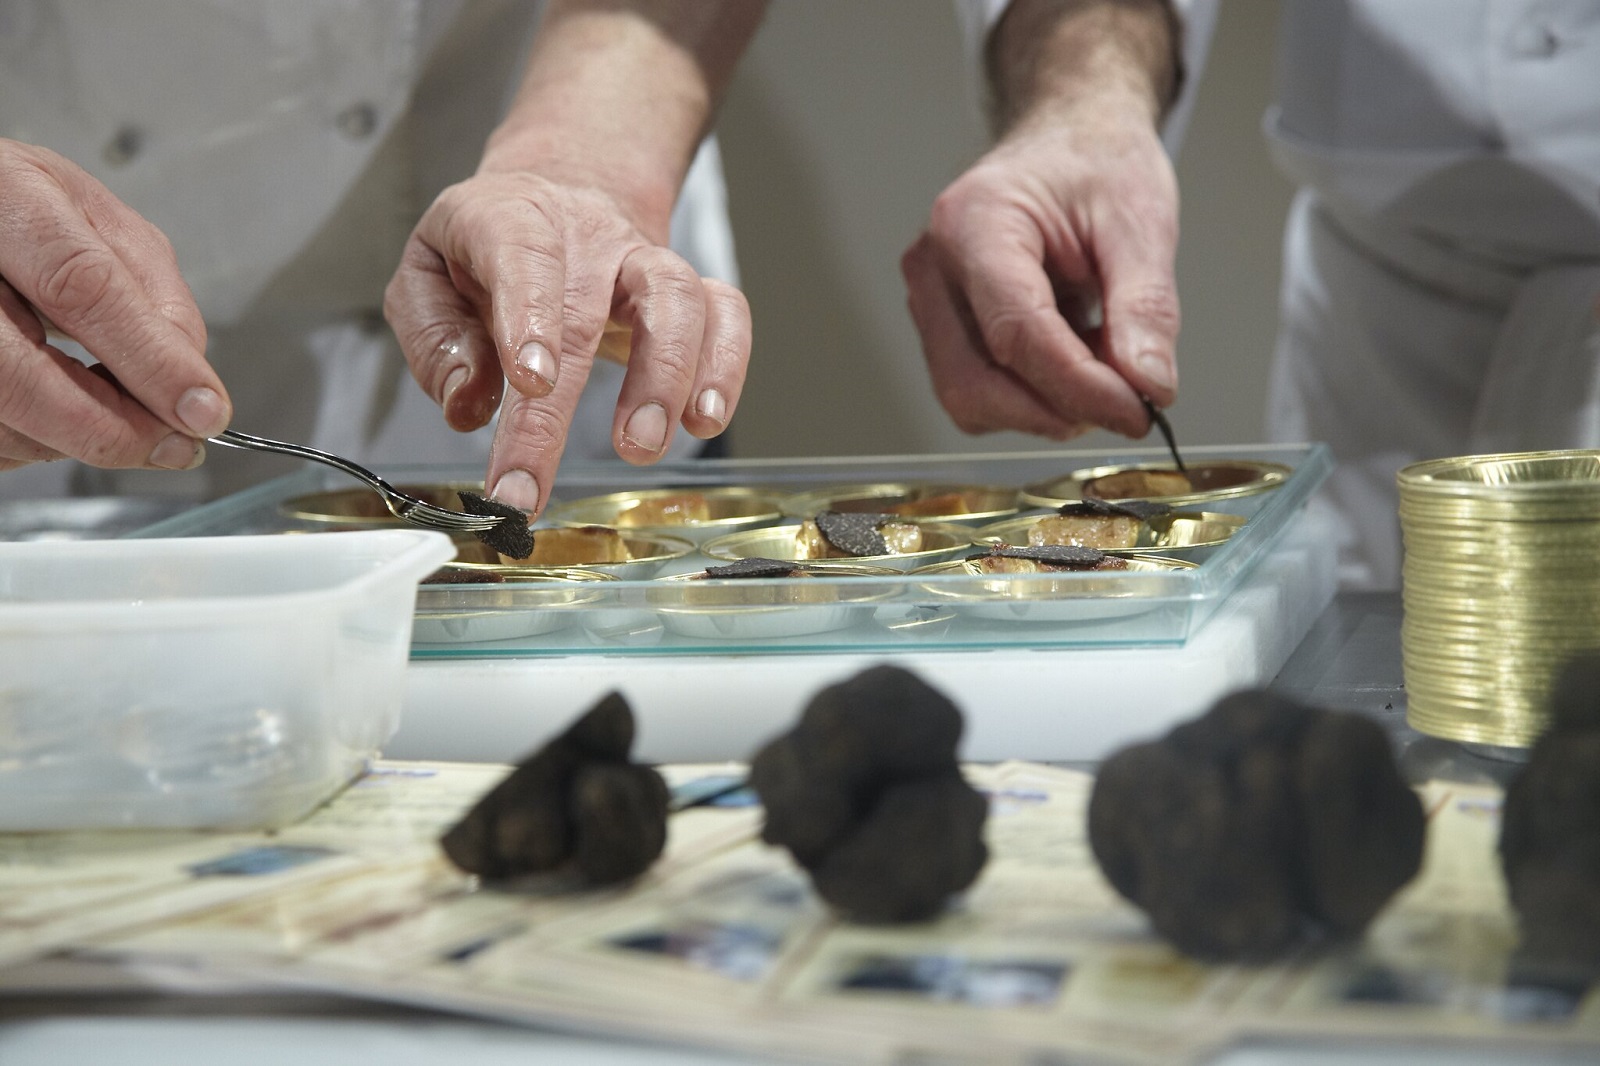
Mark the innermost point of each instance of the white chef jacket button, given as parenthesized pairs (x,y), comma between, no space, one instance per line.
(357,121)
(1534,41)
(123,147)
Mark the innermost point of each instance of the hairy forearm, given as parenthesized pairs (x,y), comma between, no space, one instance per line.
(1046,58)
(624,89)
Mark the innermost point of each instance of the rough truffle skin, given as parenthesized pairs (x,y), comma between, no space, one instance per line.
(1550,831)
(577,804)
(1066,556)
(853,532)
(753,567)
(866,792)
(1093,506)
(511,538)
(1257,826)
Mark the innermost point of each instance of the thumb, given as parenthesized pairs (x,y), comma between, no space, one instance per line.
(1141,319)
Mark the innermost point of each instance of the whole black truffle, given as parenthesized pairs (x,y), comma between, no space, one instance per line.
(511,537)
(866,792)
(1550,830)
(577,804)
(1258,825)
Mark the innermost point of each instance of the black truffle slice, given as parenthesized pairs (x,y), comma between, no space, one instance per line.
(755,566)
(866,793)
(449,576)
(1093,507)
(511,538)
(1257,826)
(854,532)
(1550,832)
(1065,556)
(577,804)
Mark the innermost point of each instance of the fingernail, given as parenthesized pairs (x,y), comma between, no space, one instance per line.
(202,411)
(711,405)
(647,427)
(536,359)
(177,452)
(456,379)
(1157,370)
(519,489)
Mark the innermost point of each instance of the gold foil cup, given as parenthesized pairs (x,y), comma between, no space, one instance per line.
(1212,480)
(918,501)
(727,508)
(1501,585)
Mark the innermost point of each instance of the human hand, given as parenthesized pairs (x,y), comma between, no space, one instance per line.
(515,277)
(75,259)
(1061,218)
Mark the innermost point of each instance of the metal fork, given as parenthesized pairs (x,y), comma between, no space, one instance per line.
(400,504)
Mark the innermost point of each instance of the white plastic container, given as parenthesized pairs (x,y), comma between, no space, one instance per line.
(220,682)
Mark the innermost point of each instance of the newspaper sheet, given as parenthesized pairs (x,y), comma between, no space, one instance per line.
(723,943)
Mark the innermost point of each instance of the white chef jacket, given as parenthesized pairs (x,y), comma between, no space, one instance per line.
(286,149)
(1441,289)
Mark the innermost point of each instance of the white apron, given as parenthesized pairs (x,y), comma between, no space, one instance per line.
(1441,289)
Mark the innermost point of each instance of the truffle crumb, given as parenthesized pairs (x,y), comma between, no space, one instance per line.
(1550,832)
(1259,825)
(512,537)
(866,793)
(577,804)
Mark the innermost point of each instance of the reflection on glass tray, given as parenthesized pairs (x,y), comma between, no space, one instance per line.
(1053,597)
(697,605)
(521,602)
(631,613)
(1187,534)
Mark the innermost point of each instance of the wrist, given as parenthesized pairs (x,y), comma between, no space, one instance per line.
(617,96)
(1084,61)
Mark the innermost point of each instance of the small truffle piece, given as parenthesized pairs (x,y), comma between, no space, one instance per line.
(453,576)
(1043,558)
(1258,826)
(853,532)
(755,566)
(1550,832)
(866,793)
(576,805)
(1143,510)
(512,537)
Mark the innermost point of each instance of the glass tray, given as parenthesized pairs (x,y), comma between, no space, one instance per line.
(1163,600)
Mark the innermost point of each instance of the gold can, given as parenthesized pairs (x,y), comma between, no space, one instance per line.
(1501,586)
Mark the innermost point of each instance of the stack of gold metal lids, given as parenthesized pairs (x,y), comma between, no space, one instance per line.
(1501,586)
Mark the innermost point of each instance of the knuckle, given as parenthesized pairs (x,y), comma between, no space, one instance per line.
(1006,332)
(1155,305)
(77,280)
(108,442)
